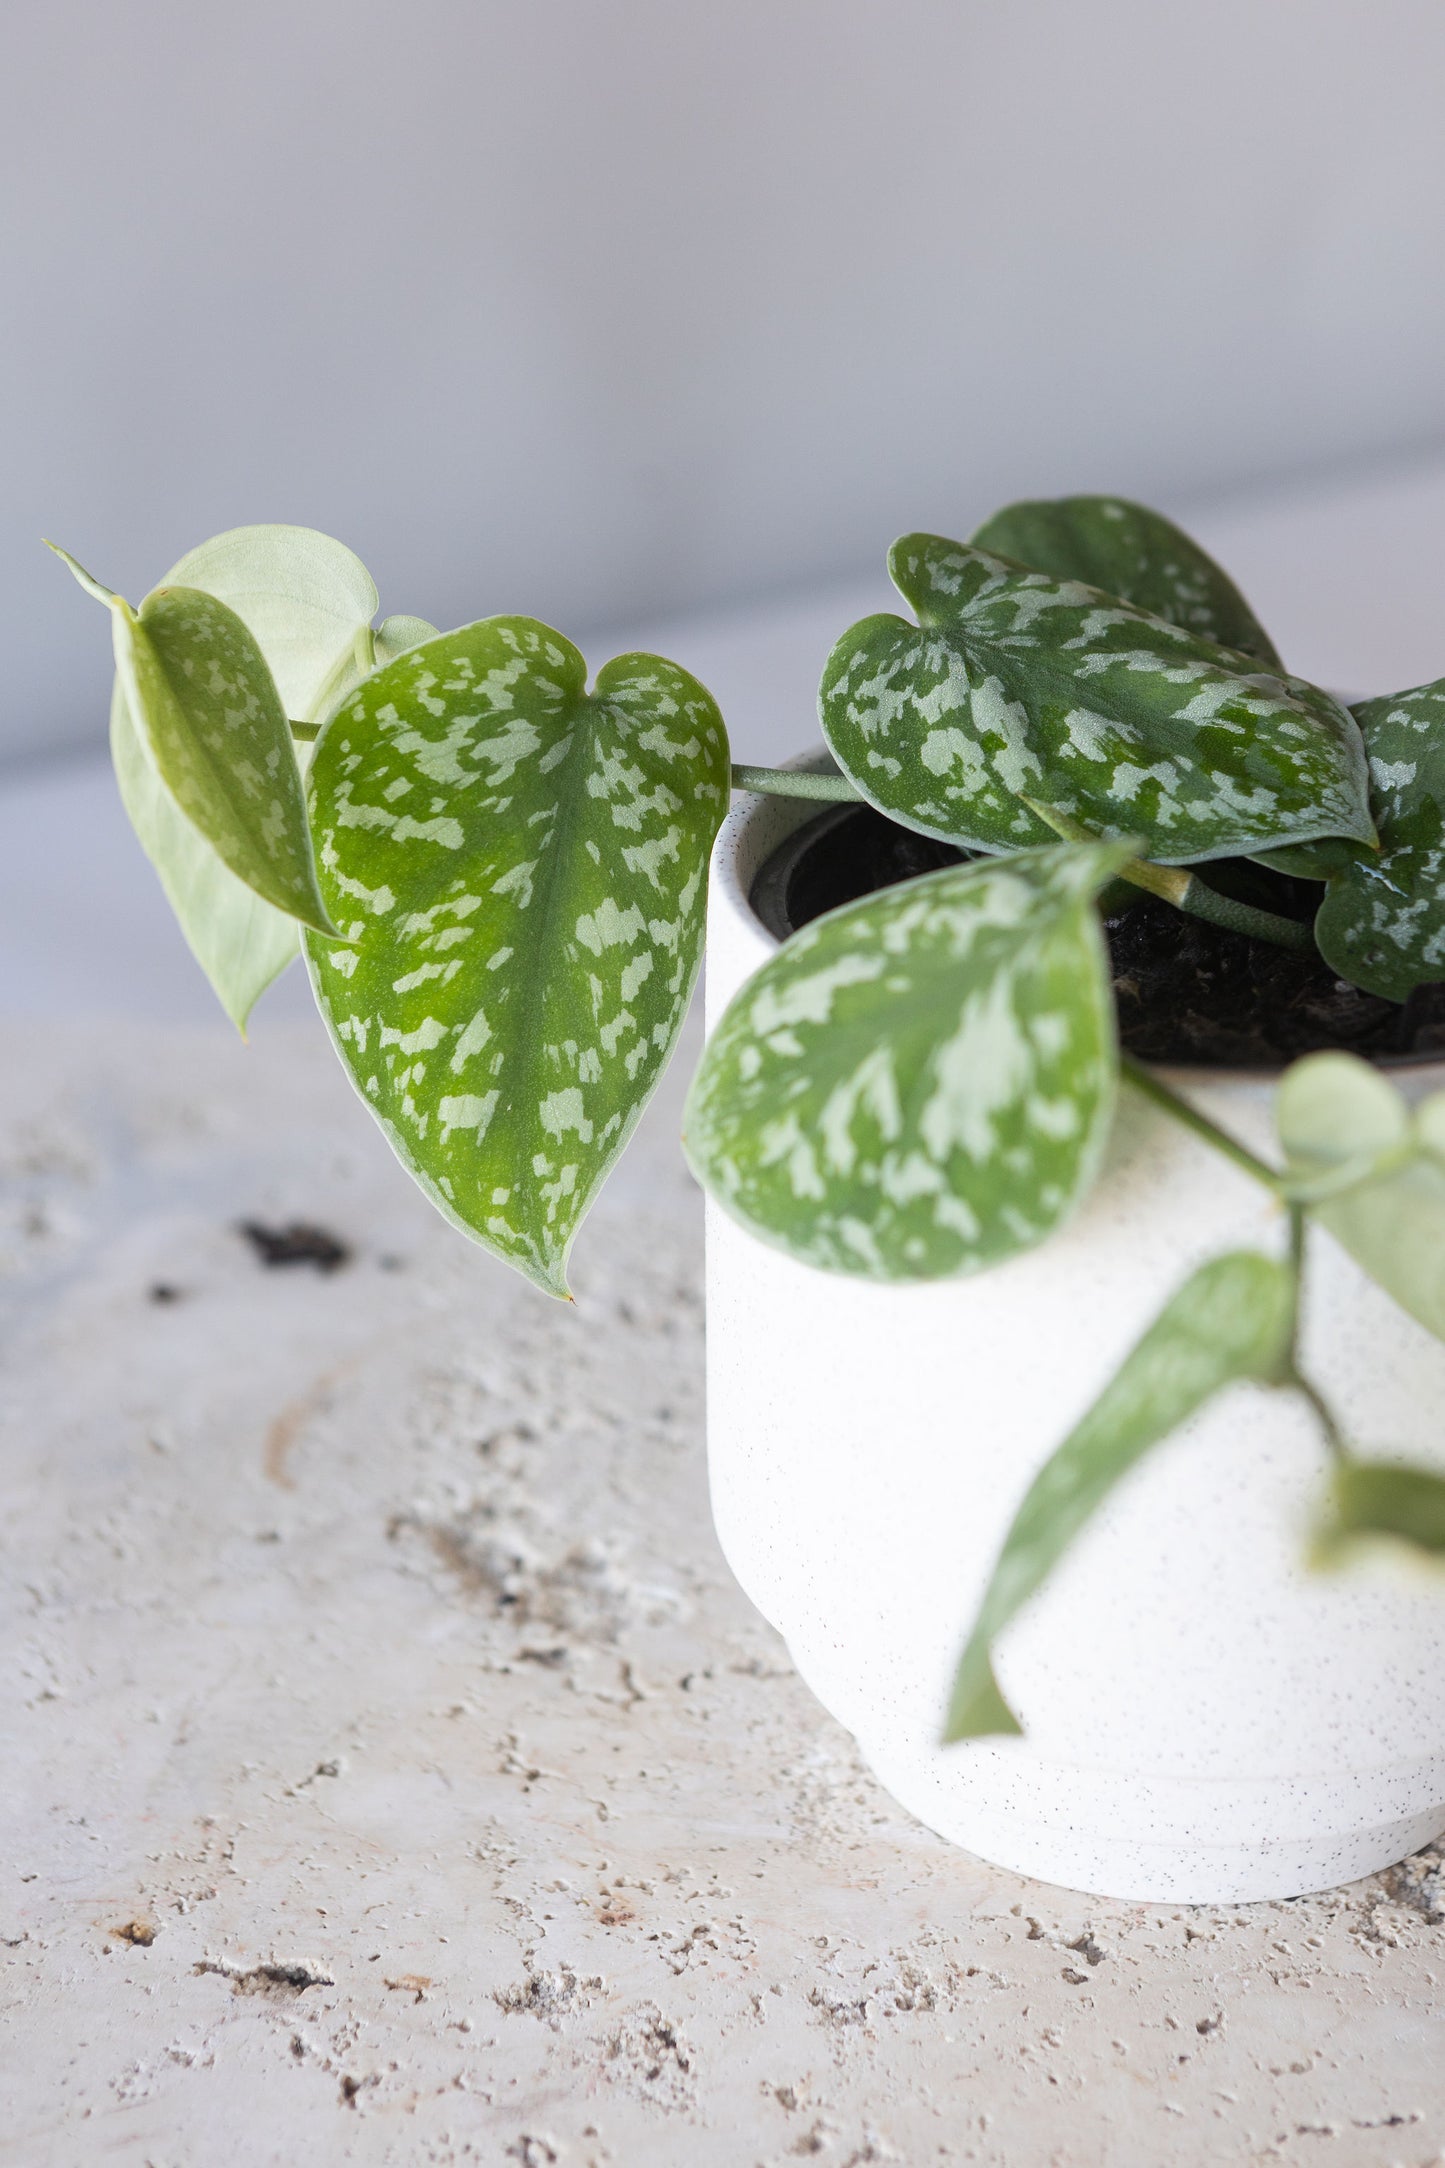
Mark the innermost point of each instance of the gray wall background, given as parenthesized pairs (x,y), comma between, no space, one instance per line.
(604,311)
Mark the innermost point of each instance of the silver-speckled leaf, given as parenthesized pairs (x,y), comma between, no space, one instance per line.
(1372,1171)
(1378,1505)
(206,708)
(1382,923)
(920,1083)
(523,867)
(239,941)
(1231,1320)
(1127,550)
(1014,685)
(308,601)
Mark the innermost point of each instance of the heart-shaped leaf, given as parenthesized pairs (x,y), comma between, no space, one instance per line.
(1015,685)
(1382,923)
(920,1083)
(1372,1171)
(1129,551)
(522,865)
(1374,1502)
(239,941)
(1231,1320)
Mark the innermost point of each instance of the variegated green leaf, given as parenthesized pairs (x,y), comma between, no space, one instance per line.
(1320,861)
(239,941)
(307,600)
(205,708)
(1013,685)
(1231,1320)
(920,1083)
(1382,923)
(1129,551)
(1373,1503)
(522,865)
(1372,1171)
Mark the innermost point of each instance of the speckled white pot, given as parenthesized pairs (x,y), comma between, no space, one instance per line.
(1206,1722)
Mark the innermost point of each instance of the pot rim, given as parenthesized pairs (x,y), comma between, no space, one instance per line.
(818,760)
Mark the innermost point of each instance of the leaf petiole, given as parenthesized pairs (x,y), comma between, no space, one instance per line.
(1324,1415)
(1293,1377)
(796,783)
(1184,889)
(1152,1087)
(1199,900)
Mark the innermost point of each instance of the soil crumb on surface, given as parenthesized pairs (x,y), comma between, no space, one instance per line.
(297,1243)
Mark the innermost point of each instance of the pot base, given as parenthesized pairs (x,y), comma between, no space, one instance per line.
(1181,1864)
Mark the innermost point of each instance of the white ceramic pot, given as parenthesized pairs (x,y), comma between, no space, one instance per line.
(1205,1721)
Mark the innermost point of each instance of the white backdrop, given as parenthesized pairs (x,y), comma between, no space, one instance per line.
(605,311)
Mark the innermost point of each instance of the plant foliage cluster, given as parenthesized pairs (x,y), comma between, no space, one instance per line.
(497,875)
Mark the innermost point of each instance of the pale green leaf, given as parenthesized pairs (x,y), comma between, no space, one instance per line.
(920,1083)
(1231,1320)
(1014,685)
(523,867)
(1376,1503)
(240,942)
(205,705)
(306,598)
(1338,1119)
(1129,551)
(1372,1171)
(1382,923)
(394,635)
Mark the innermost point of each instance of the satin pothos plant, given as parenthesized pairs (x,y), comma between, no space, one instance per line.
(496,871)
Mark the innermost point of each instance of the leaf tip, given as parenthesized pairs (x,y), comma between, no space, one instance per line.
(85,579)
(318,921)
(977,1709)
(548,1273)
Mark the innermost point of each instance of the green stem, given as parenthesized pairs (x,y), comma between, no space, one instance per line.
(796,783)
(1185,890)
(1294,1376)
(306,733)
(1335,1439)
(1297,1267)
(1199,900)
(1153,1087)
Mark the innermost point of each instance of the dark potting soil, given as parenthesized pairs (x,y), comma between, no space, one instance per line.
(1187,992)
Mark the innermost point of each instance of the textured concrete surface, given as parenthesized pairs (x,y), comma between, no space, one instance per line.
(393,1774)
